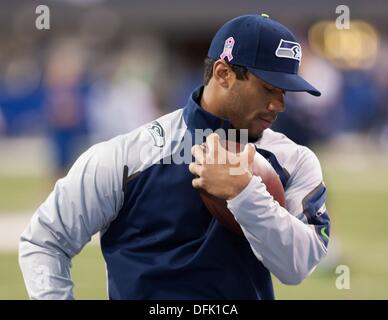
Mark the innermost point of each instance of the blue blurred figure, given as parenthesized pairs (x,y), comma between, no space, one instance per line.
(359,100)
(64,110)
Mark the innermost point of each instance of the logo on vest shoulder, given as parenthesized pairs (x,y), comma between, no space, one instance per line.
(157,133)
(321,211)
(289,49)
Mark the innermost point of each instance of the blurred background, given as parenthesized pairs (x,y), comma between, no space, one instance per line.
(106,67)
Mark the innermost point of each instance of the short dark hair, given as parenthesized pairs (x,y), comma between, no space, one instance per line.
(241,72)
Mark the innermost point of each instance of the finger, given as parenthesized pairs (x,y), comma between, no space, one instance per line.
(213,144)
(195,169)
(197,183)
(199,153)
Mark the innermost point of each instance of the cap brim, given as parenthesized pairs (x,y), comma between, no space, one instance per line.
(285,81)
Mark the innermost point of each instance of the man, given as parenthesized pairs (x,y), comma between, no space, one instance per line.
(158,239)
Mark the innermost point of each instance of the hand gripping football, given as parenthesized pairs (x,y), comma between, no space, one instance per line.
(261,167)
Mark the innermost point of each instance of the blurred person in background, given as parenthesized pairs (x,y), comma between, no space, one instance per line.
(21,91)
(63,105)
(380,76)
(360,101)
(123,97)
(3,125)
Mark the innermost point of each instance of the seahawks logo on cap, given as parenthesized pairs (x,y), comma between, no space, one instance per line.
(289,49)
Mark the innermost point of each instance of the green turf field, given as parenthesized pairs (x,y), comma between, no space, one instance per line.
(20,193)
(358,201)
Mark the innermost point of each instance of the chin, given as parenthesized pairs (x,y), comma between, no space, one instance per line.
(255,137)
(252,136)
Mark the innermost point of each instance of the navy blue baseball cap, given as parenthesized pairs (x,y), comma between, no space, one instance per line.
(265,47)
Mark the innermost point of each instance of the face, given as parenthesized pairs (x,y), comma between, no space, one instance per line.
(252,104)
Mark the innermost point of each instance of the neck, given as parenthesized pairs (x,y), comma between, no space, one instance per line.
(210,103)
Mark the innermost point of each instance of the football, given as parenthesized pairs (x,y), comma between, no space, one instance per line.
(261,167)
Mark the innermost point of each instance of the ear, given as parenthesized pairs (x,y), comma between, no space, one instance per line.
(223,74)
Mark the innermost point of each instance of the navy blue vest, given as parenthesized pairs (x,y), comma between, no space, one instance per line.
(164,244)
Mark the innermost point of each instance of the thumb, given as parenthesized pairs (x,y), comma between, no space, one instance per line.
(249,154)
(249,151)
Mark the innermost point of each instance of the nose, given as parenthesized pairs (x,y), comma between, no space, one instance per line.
(276,104)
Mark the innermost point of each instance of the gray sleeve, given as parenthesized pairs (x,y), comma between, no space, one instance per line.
(287,246)
(81,204)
